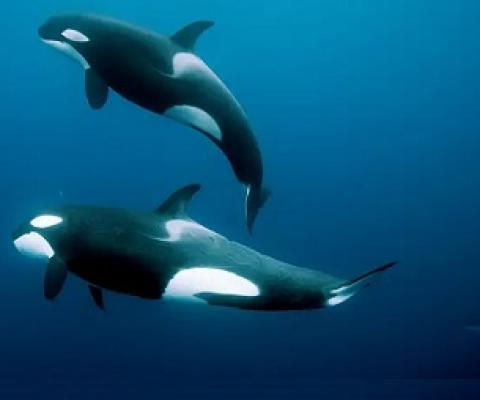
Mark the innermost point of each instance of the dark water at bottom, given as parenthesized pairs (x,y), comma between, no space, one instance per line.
(242,389)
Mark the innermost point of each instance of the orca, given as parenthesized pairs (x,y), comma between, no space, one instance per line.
(167,255)
(164,75)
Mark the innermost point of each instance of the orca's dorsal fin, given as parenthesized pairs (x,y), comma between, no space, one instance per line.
(175,206)
(188,35)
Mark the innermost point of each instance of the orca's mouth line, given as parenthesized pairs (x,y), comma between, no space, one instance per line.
(67,49)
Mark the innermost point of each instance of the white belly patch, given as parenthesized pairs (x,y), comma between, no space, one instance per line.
(196,118)
(189,282)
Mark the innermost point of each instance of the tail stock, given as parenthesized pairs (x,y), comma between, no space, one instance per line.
(255,199)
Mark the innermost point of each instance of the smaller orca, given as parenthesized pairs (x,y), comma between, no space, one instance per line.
(164,75)
(167,255)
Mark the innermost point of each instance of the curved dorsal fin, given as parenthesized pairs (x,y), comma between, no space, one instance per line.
(187,36)
(177,203)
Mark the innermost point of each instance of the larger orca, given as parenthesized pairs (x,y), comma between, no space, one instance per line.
(163,75)
(166,254)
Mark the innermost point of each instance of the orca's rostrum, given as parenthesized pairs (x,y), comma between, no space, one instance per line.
(166,254)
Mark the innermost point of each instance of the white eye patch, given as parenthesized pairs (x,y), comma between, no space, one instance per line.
(75,36)
(45,221)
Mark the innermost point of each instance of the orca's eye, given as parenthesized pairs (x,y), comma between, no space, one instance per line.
(75,36)
(46,221)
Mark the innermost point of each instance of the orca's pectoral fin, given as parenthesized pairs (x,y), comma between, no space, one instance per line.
(55,278)
(97,296)
(96,89)
(188,36)
(175,206)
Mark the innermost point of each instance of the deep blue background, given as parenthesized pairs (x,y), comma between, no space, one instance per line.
(368,116)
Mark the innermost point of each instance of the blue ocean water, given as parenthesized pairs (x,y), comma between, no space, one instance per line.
(368,118)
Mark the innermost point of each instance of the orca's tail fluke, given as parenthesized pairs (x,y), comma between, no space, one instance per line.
(255,199)
(343,292)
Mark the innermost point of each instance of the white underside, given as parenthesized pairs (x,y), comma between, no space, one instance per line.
(339,299)
(342,294)
(189,282)
(34,245)
(196,118)
(69,50)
